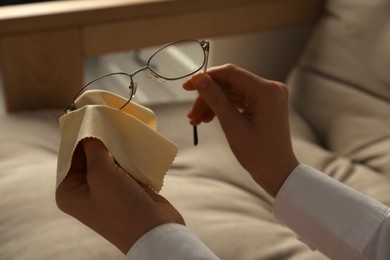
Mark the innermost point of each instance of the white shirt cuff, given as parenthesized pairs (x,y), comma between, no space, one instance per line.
(328,215)
(170,241)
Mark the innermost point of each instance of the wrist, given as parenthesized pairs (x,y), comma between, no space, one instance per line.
(271,179)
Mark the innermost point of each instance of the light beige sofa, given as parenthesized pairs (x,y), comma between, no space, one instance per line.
(340,119)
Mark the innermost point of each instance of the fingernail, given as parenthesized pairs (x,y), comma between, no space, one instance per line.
(201,81)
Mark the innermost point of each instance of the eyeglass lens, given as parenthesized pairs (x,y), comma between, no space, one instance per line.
(177,60)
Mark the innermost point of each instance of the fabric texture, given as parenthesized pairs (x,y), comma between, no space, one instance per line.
(129,134)
(170,241)
(331,217)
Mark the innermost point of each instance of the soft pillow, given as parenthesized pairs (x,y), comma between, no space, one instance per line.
(342,83)
(32,227)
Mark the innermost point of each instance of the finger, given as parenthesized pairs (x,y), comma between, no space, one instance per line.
(188,85)
(76,178)
(215,98)
(236,78)
(78,160)
(209,117)
(200,110)
(96,153)
(70,193)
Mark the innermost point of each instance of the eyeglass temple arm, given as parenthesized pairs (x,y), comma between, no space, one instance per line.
(206,47)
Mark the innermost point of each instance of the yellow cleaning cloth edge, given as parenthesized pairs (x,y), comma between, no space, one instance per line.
(135,145)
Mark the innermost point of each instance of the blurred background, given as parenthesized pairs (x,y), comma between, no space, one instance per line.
(260,53)
(268,54)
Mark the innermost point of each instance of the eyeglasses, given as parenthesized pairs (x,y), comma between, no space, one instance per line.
(173,61)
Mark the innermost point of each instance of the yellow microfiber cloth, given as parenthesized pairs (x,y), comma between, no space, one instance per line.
(130,135)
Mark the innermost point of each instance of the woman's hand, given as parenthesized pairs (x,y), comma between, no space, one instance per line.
(104,197)
(253,113)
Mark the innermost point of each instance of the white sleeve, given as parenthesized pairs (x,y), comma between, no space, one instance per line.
(170,242)
(331,217)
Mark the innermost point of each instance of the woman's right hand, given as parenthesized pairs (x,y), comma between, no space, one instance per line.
(253,113)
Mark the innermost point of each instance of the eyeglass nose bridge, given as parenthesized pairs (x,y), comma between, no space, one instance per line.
(133,89)
(133,84)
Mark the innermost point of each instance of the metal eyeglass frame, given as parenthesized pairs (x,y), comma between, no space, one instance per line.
(133,84)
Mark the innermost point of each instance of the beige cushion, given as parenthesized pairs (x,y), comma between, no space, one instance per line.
(31,225)
(342,83)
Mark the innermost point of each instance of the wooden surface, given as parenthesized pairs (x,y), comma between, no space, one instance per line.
(42,45)
(41,68)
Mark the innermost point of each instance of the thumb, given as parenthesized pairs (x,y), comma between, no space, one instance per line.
(95,153)
(215,98)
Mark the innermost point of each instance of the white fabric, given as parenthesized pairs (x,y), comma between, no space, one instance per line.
(170,241)
(333,218)
(328,215)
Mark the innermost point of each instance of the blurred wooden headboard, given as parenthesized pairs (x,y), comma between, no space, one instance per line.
(42,45)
